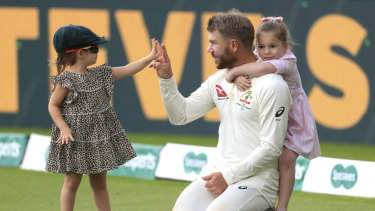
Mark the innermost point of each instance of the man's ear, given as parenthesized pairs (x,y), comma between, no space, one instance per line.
(234,45)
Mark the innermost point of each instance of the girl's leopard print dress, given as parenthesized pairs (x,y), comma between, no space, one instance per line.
(100,142)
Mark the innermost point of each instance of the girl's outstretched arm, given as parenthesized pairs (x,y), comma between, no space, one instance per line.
(134,67)
(250,69)
(55,101)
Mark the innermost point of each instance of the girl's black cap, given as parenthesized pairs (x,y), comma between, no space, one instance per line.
(74,36)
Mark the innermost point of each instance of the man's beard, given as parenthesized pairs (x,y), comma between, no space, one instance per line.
(226,60)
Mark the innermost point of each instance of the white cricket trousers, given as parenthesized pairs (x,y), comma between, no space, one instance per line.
(195,197)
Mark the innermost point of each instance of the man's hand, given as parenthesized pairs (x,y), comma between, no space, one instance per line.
(162,65)
(215,183)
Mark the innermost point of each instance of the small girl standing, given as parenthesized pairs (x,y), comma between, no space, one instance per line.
(87,137)
(272,46)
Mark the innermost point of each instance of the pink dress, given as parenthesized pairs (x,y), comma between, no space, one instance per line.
(302,136)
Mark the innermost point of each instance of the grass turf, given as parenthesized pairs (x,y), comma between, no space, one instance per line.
(30,190)
(38,191)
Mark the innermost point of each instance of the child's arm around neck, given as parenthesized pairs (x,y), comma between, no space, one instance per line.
(134,67)
(250,69)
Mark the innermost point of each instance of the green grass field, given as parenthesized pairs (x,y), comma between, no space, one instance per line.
(31,190)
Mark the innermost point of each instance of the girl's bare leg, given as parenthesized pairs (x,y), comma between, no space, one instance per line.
(98,184)
(287,162)
(69,190)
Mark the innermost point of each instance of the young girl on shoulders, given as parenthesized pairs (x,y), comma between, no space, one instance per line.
(272,46)
(87,137)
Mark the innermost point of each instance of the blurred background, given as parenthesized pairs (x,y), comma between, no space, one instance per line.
(333,44)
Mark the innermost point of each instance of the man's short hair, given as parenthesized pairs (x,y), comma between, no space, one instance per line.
(233,25)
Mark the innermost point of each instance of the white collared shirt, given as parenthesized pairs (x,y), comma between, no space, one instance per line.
(252,123)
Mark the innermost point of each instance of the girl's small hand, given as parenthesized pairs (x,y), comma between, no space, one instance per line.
(66,135)
(155,51)
(242,82)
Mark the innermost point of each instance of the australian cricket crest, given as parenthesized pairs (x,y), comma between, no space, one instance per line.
(245,100)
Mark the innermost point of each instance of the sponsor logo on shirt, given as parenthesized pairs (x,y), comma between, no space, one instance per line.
(245,100)
(221,95)
(279,112)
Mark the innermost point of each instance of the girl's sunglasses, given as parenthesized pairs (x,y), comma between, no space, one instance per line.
(92,48)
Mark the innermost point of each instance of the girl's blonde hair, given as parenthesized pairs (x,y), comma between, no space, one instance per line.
(276,25)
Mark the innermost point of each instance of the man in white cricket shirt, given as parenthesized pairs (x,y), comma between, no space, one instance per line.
(244,173)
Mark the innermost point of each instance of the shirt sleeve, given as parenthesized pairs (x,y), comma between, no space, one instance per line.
(183,110)
(284,64)
(274,104)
